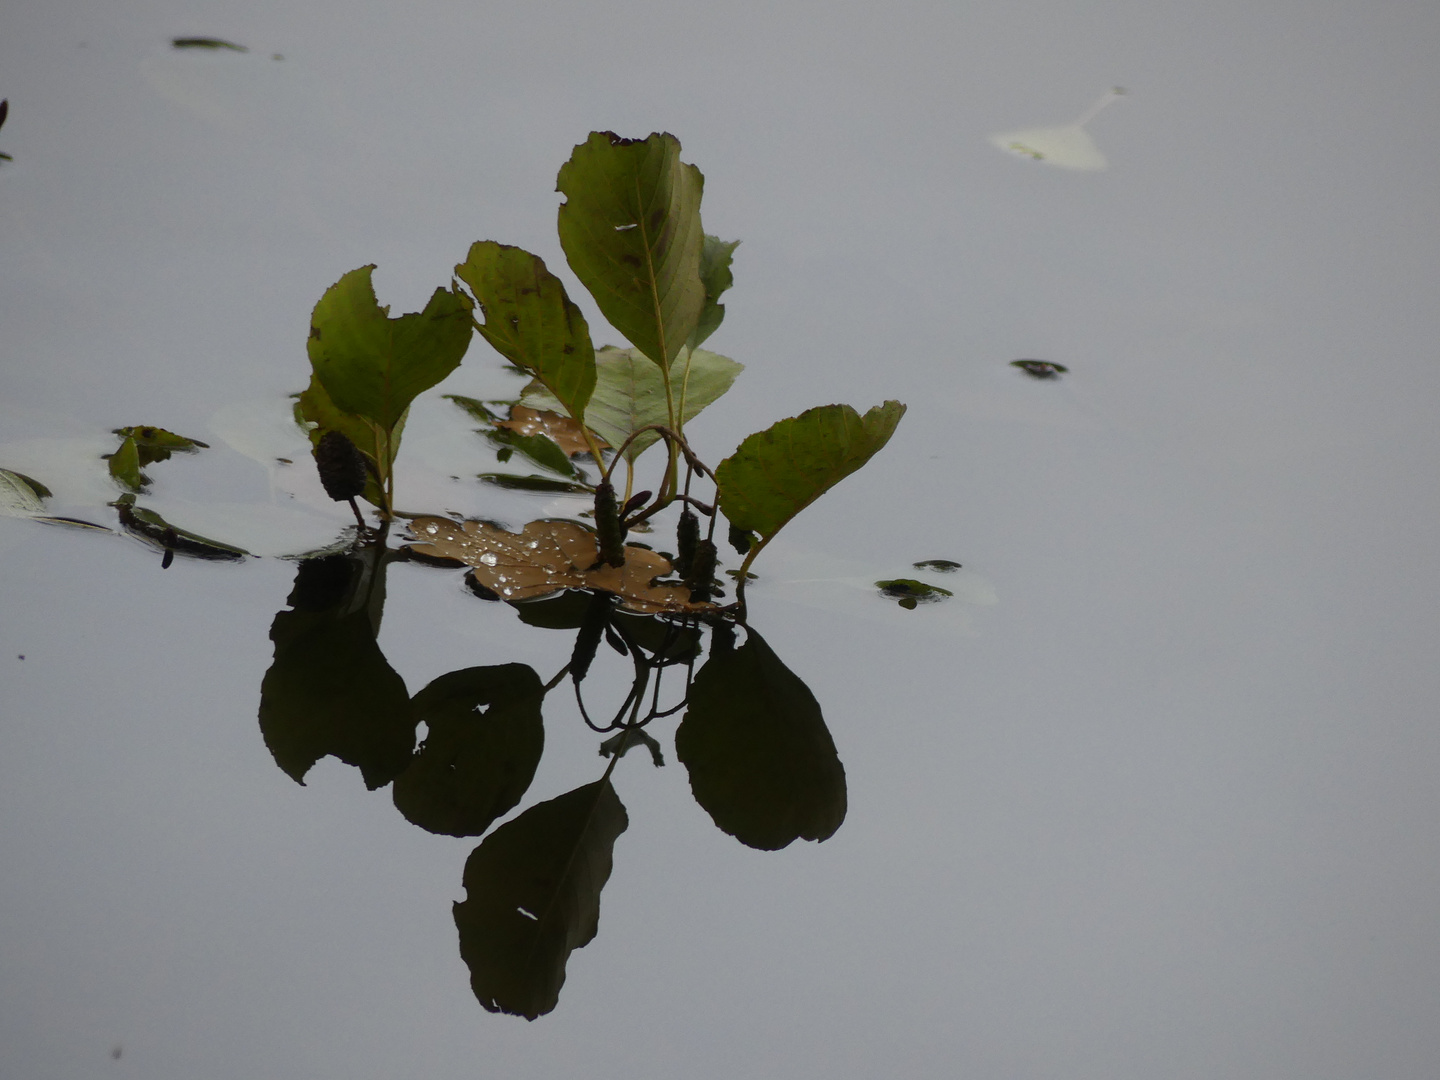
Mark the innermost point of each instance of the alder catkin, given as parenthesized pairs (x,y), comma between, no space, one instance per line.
(341,465)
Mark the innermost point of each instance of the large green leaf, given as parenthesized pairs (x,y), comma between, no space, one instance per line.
(374,366)
(473,766)
(760,758)
(630,227)
(715,275)
(532,897)
(530,320)
(778,472)
(630,392)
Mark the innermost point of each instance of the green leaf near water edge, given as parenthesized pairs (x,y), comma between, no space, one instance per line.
(630,393)
(776,473)
(760,758)
(630,227)
(532,897)
(473,766)
(531,321)
(374,366)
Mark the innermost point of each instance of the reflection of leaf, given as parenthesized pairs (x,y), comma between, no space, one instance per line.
(760,758)
(330,689)
(630,393)
(630,227)
(156,531)
(778,472)
(472,766)
(374,366)
(530,321)
(532,897)
(715,259)
(548,556)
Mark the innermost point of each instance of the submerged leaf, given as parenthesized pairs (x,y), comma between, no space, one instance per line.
(547,556)
(473,766)
(561,430)
(908,592)
(630,227)
(778,472)
(630,393)
(543,485)
(125,467)
(532,897)
(760,758)
(531,321)
(373,366)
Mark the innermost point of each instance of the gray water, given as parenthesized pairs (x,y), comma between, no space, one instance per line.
(1152,796)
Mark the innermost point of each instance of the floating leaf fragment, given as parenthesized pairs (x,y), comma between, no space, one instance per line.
(543,485)
(211,43)
(159,533)
(942,566)
(561,430)
(908,592)
(1040,369)
(547,556)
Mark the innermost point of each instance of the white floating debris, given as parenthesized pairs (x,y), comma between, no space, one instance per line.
(1069,147)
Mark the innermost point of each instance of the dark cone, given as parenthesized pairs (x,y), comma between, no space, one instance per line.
(342,466)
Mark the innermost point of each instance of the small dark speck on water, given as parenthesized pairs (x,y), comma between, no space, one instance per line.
(117,1051)
(21,656)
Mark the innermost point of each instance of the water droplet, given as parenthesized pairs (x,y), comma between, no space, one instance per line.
(432,529)
(533,544)
(489,558)
(507,590)
(502,579)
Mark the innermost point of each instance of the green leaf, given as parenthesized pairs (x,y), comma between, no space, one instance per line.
(530,320)
(630,227)
(778,472)
(156,444)
(630,393)
(715,259)
(532,897)
(374,366)
(473,766)
(330,690)
(760,758)
(125,467)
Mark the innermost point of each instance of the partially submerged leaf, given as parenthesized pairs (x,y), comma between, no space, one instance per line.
(373,366)
(159,533)
(908,592)
(1040,369)
(630,393)
(630,227)
(760,758)
(547,556)
(542,485)
(778,472)
(531,321)
(532,897)
(473,766)
(943,566)
(125,467)
(154,444)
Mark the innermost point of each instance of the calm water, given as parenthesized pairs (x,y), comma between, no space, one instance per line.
(1153,795)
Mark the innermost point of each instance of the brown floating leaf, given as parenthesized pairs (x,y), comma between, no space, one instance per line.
(562,430)
(547,556)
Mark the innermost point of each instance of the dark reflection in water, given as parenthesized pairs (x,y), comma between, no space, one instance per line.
(752,738)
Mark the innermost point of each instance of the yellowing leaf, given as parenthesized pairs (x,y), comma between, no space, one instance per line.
(547,556)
